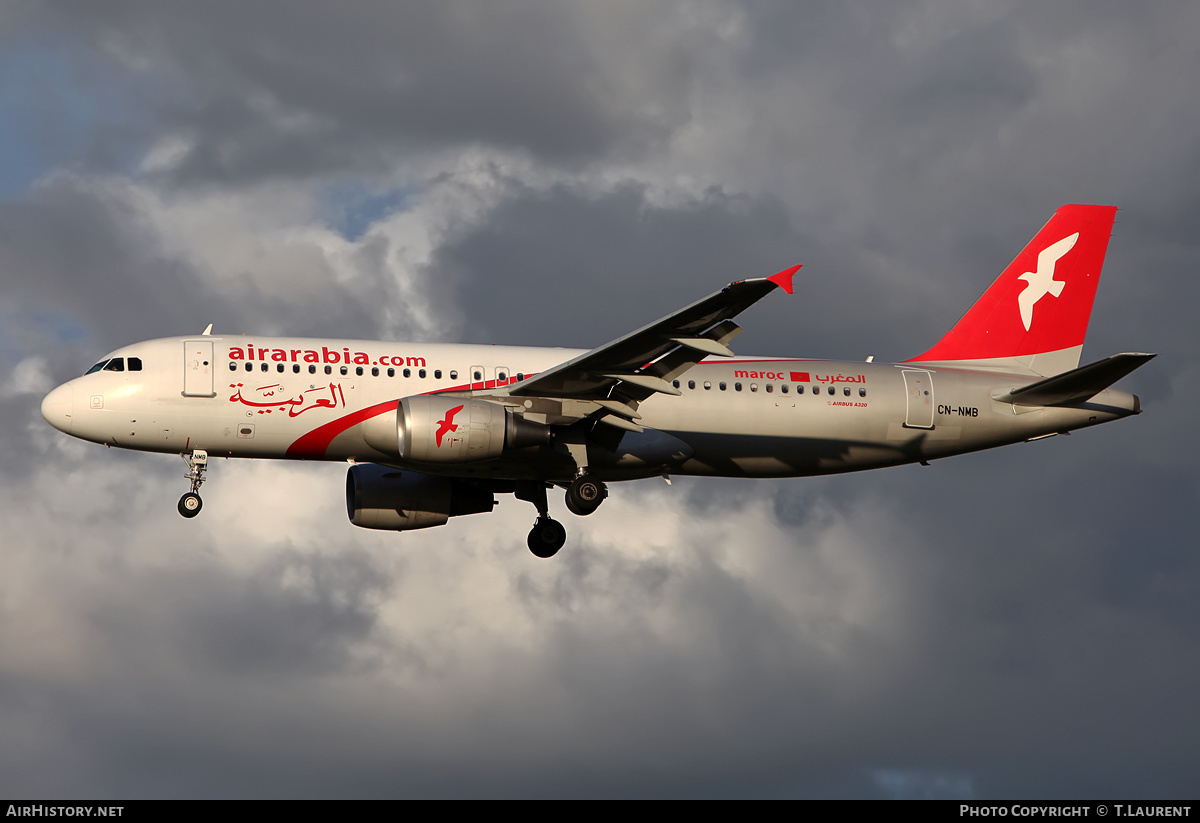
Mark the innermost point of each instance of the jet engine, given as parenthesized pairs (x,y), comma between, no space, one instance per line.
(378,497)
(449,429)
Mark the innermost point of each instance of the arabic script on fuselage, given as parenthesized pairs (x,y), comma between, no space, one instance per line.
(269,399)
(801,376)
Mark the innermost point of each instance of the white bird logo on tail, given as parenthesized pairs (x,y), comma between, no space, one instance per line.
(1041,282)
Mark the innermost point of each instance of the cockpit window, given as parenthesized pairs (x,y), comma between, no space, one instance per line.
(116,364)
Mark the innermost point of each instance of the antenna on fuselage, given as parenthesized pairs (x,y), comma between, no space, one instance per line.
(207,331)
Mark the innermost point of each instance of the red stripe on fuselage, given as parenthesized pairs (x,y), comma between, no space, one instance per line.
(316,442)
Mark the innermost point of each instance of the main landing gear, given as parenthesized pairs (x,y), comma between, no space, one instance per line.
(547,535)
(190,503)
(584,496)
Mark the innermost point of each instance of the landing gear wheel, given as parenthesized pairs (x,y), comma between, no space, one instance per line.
(197,461)
(546,537)
(189,504)
(585,494)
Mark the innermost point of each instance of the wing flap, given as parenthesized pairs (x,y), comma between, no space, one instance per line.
(704,346)
(644,361)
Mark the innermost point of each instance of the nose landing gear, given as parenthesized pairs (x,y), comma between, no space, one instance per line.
(190,503)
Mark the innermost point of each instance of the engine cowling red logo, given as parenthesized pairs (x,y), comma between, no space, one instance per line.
(447,425)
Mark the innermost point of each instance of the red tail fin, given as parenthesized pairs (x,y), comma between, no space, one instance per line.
(1035,316)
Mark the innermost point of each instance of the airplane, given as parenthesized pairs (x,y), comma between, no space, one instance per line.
(435,431)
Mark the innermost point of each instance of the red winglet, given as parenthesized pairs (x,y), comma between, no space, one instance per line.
(784,278)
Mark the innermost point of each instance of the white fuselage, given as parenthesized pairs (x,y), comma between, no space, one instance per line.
(767,417)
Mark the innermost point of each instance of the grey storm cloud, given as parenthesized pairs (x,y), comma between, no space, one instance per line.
(286,89)
(630,260)
(1020,622)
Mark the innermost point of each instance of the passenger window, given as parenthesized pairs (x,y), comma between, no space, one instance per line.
(295,368)
(421,373)
(344,370)
(501,377)
(454,374)
(116,364)
(770,387)
(783,388)
(135,364)
(862,392)
(721,385)
(846,391)
(478,376)
(408,372)
(832,390)
(279,368)
(520,376)
(391,372)
(675,383)
(753,387)
(232,366)
(375,371)
(707,385)
(312,369)
(249,367)
(437,374)
(329,369)
(359,371)
(691,384)
(737,386)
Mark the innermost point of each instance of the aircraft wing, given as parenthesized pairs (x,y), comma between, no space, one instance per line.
(618,375)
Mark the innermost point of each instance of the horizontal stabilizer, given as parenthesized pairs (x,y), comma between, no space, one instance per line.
(1077,385)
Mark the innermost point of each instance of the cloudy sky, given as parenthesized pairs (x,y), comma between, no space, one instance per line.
(1023,622)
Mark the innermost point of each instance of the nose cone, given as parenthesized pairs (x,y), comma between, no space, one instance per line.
(56,408)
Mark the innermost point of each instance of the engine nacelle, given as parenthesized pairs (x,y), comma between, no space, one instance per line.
(378,497)
(442,429)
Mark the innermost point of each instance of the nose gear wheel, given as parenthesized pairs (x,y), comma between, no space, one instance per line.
(190,504)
